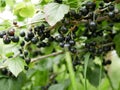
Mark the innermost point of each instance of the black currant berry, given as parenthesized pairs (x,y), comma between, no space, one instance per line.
(84,11)
(111,14)
(34,40)
(22,43)
(22,33)
(108,62)
(61,44)
(73,49)
(4,71)
(26,38)
(66,45)
(6,39)
(59,38)
(15,39)
(2,33)
(90,5)
(25,53)
(110,7)
(63,29)
(27,60)
(72,42)
(30,34)
(92,25)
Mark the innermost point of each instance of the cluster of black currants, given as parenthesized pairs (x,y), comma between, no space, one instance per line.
(66,38)
(39,37)
(99,48)
(9,36)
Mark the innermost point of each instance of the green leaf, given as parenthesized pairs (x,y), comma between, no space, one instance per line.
(113,70)
(85,68)
(93,75)
(9,54)
(37,17)
(27,11)
(117,43)
(12,83)
(16,65)
(18,7)
(56,87)
(55,12)
(2,3)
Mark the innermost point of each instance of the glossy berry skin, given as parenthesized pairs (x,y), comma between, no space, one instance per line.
(27,39)
(92,25)
(84,11)
(22,43)
(6,39)
(111,14)
(2,33)
(34,40)
(15,39)
(72,42)
(4,71)
(59,38)
(25,53)
(22,33)
(30,34)
(66,45)
(110,7)
(63,29)
(90,5)
(27,60)
(61,44)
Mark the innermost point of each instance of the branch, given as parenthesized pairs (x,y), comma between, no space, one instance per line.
(46,56)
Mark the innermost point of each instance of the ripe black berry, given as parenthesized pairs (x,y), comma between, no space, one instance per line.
(59,38)
(6,39)
(61,44)
(22,43)
(26,53)
(110,7)
(72,42)
(34,40)
(63,29)
(15,39)
(27,39)
(111,14)
(2,33)
(4,71)
(90,5)
(92,25)
(22,33)
(27,60)
(84,11)
(30,34)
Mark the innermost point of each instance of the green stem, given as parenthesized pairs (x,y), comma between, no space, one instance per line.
(110,82)
(100,75)
(85,69)
(70,69)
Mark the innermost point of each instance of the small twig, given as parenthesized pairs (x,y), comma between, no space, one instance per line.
(46,56)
